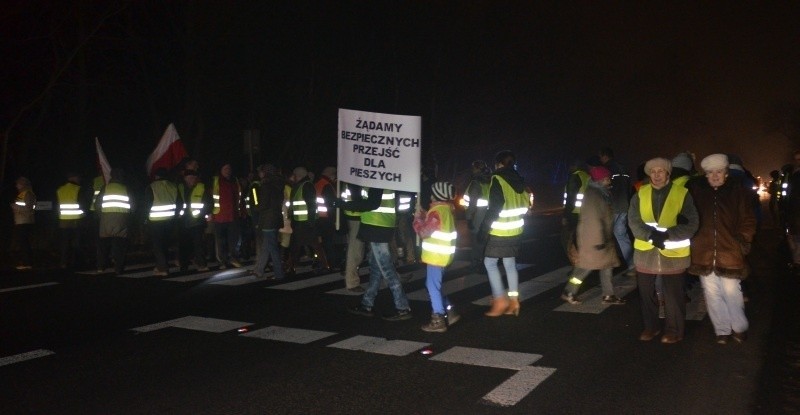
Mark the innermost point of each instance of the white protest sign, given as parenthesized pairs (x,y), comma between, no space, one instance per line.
(380,150)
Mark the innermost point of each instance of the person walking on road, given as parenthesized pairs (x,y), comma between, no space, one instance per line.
(621,192)
(594,238)
(270,219)
(196,204)
(71,211)
(727,227)
(226,193)
(161,203)
(662,218)
(476,199)
(24,208)
(437,228)
(355,246)
(502,230)
(303,208)
(114,205)
(378,222)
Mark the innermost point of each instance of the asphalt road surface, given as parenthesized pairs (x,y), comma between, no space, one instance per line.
(223,342)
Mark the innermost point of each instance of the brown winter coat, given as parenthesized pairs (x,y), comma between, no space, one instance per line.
(727,226)
(594,235)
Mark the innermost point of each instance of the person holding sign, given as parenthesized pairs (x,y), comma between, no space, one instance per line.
(502,231)
(377,227)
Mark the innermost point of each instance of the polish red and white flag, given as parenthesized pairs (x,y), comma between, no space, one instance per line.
(168,153)
(102,161)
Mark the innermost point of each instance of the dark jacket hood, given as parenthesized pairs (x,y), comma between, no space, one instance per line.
(512,177)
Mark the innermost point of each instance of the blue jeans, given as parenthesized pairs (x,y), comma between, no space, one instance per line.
(725,304)
(381,266)
(433,281)
(623,240)
(267,250)
(496,280)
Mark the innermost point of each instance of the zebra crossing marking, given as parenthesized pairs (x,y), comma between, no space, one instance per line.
(27,287)
(509,393)
(17,358)
(288,334)
(592,299)
(518,386)
(487,358)
(379,345)
(536,286)
(212,325)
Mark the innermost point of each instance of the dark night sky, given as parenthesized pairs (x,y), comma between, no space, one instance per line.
(552,81)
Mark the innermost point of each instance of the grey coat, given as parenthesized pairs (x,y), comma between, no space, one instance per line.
(594,235)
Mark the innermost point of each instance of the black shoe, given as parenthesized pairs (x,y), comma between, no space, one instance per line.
(361,311)
(400,315)
(613,299)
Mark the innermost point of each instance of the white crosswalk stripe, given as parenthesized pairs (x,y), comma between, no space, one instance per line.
(35,354)
(534,287)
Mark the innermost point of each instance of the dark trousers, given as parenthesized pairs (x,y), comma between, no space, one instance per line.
(226,237)
(674,296)
(22,236)
(192,246)
(69,245)
(160,235)
(305,234)
(116,246)
(327,231)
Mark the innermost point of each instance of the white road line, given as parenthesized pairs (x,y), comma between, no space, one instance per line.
(212,325)
(536,286)
(487,358)
(593,298)
(8,360)
(307,283)
(28,287)
(405,277)
(510,392)
(379,345)
(288,334)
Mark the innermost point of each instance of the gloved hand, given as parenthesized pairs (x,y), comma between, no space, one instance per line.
(657,238)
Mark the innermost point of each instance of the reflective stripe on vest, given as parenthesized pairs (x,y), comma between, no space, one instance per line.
(165,193)
(510,220)
(483,201)
(195,203)
(322,208)
(439,249)
(584,177)
(97,184)
(68,207)
(115,199)
(347,197)
(299,206)
(404,204)
(215,193)
(384,215)
(669,218)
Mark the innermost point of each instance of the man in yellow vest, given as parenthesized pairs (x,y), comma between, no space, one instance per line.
(437,228)
(304,217)
(114,205)
(161,203)
(502,227)
(71,210)
(573,199)
(355,246)
(378,223)
(195,203)
(476,202)
(662,218)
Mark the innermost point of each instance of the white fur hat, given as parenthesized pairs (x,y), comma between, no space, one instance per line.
(713,162)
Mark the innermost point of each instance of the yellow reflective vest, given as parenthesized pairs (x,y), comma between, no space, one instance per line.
(384,215)
(165,196)
(667,219)
(115,199)
(511,219)
(584,178)
(68,206)
(440,248)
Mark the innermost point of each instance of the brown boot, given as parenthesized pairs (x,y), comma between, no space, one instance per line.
(499,306)
(513,306)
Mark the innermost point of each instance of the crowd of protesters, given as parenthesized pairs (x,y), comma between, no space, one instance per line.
(669,224)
